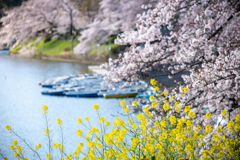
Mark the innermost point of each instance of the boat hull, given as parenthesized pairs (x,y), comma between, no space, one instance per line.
(120,95)
(54,93)
(81,94)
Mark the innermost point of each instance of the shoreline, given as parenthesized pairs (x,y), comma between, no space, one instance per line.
(72,58)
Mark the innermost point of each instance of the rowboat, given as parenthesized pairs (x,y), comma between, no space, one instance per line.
(81,94)
(119,94)
(54,92)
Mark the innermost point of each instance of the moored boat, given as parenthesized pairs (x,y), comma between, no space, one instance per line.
(54,92)
(119,94)
(81,94)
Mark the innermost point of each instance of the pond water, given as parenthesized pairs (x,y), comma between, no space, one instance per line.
(21,104)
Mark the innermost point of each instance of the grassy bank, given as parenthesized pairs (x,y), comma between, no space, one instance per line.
(51,47)
(104,49)
(63,46)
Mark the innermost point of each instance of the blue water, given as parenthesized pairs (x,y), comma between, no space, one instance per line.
(21,105)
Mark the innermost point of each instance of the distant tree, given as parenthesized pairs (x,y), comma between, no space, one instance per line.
(40,18)
(114,16)
(5,4)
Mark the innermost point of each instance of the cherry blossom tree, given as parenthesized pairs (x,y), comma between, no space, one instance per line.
(204,40)
(40,18)
(114,16)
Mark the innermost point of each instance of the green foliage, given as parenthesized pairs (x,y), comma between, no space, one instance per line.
(17,48)
(47,38)
(104,49)
(55,47)
(48,47)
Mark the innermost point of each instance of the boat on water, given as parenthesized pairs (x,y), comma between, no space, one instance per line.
(54,92)
(81,94)
(120,94)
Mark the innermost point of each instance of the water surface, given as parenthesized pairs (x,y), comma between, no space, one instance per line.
(21,104)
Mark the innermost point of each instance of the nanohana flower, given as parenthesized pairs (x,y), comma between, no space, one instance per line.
(185,90)
(102,119)
(37,146)
(187,108)
(166,107)
(164,93)
(79,133)
(208,128)
(208,115)
(79,120)
(156,89)
(154,104)
(46,131)
(44,108)
(96,107)
(135,103)
(173,119)
(224,113)
(152,98)
(107,123)
(48,156)
(237,118)
(59,122)
(87,119)
(192,114)
(123,103)
(153,82)
(177,108)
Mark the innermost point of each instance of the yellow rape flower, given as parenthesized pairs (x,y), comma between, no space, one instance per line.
(79,133)
(164,93)
(166,107)
(224,113)
(173,119)
(15,143)
(8,127)
(192,114)
(237,118)
(55,145)
(48,156)
(154,104)
(187,108)
(102,120)
(163,123)
(152,98)
(185,90)
(208,128)
(123,103)
(37,146)
(219,129)
(46,131)
(107,123)
(156,89)
(44,108)
(87,119)
(135,103)
(171,98)
(59,122)
(237,128)
(153,82)
(69,157)
(208,115)
(79,120)
(96,107)
(177,108)
(5,158)
(230,125)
